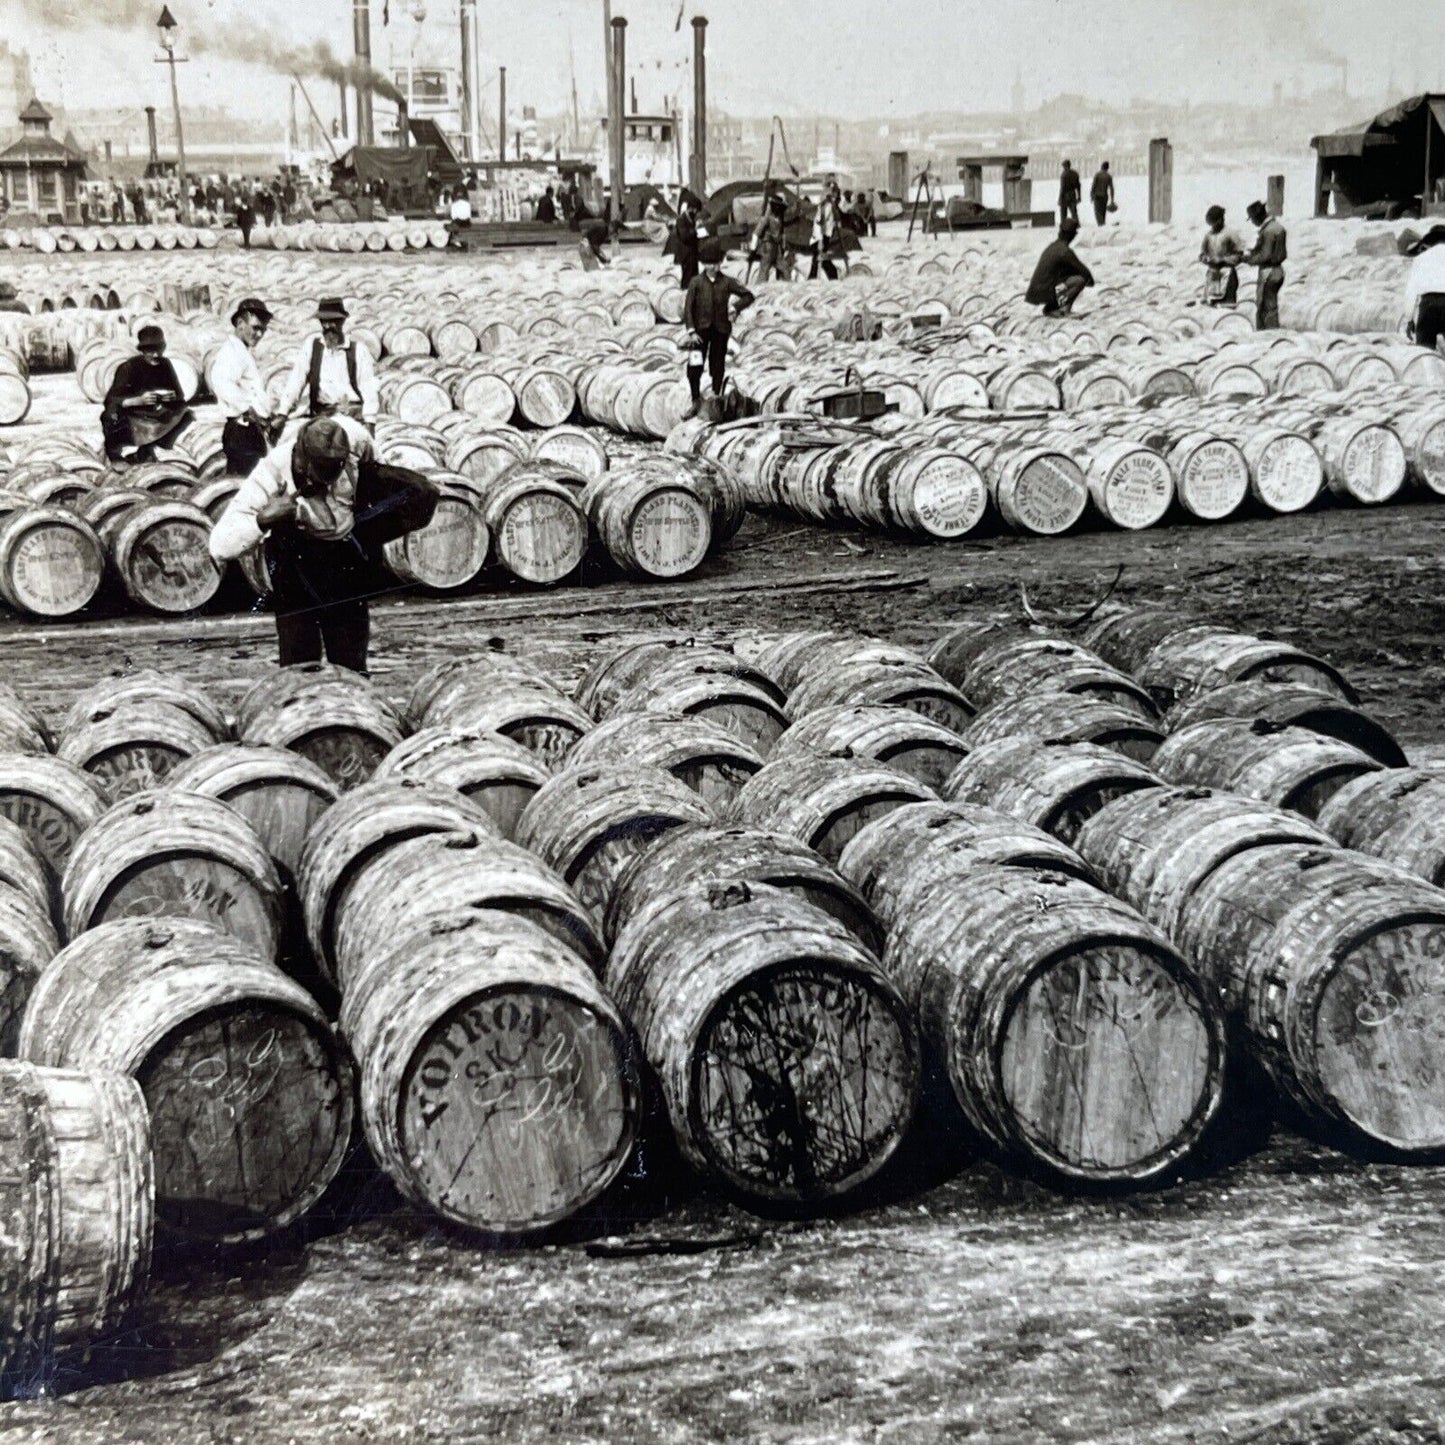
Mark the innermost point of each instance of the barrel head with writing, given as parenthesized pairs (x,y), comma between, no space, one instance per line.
(51,562)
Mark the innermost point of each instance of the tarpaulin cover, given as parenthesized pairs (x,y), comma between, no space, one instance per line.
(401,168)
(1391,126)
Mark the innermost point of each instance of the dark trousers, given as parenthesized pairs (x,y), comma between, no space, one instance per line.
(318,592)
(1068,211)
(1101,209)
(342,630)
(688,262)
(244,444)
(821,258)
(715,356)
(1430,320)
(1266,298)
(872,225)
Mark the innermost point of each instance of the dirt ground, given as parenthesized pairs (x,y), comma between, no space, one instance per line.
(1282,1293)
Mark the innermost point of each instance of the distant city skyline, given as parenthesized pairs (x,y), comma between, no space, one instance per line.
(784,55)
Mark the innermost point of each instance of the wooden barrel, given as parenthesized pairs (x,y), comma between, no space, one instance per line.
(1071,1030)
(1330,962)
(538,527)
(53,802)
(14,399)
(1055,786)
(956,653)
(78,1200)
(545,396)
(723,694)
(1294,704)
(51,562)
(892,734)
(448,553)
(363,825)
(485,455)
(281,684)
(920,843)
(1038,490)
(613,675)
(22,728)
(278,792)
(1395,815)
(1131,485)
(824,801)
(456,682)
(1287,766)
(144,685)
(169,854)
(1153,849)
(483,394)
(500,776)
(161,555)
(1193,660)
(1124,637)
(589,822)
(396,890)
(787,1061)
(26,879)
(249,1091)
(1032,665)
(651,525)
(134,745)
(1285,473)
(345,730)
(1067,718)
(882,680)
(497,1086)
(683,855)
(1211,475)
(709,759)
(535,715)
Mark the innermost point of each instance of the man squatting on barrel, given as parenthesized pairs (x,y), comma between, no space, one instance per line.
(236,381)
(707,313)
(323,506)
(145,407)
(1060,276)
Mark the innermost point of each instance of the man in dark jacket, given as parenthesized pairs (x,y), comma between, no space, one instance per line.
(685,239)
(547,208)
(1101,193)
(145,406)
(1269,254)
(1060,276)
(1070,189)
(707,313)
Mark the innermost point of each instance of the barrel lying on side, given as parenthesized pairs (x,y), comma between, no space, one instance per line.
(1398,815)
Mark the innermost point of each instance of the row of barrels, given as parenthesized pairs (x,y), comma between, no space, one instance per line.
(53,240)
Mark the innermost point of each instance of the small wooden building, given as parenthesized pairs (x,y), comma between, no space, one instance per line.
(40,174)
(1390,166)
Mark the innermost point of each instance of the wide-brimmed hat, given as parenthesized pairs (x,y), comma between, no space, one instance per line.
(251,306)
(332,308)
(1433,237)
(710,253)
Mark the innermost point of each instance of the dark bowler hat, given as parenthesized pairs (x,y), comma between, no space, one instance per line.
(710,253)
(150,336)
(1255,211)
(332,308)
(251,306)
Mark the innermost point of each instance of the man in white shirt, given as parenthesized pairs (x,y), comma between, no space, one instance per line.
(331,376)
(1425,288)
(461,212)
(236,383)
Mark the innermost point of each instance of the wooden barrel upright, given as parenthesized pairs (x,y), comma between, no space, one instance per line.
(1331,962)
(51,562)
(1070,1029)
(54,802)
(162,557)
(497,1086)
(169,854)
(77,1214)
(250,1095)
(788,1063)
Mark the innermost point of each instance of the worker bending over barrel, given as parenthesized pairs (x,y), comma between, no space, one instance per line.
(236,383)
(145,406)
(707,313)
(332,376)
(1060,276)
(1425,288)
(322,507)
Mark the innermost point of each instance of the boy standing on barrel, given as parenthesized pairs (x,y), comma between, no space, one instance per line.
(322,507)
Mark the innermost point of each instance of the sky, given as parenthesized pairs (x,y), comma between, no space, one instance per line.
(842,58)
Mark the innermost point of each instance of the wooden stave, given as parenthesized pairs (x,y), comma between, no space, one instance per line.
(1044,783)
(377,1020)
(115,997)
(810,797)
(372,725)
(83,1213)
(915,845)
(31,784)
(397,889)
(964,977)
(1395,816)
(1272,930)
(1195,659)
(1287,766)
(159,825)
(145,684)
(736,932)
(1067,717)
(456,684)
(889,733)
(364,823)
(613,675)
(909,684)
(1154,848)
(155,735)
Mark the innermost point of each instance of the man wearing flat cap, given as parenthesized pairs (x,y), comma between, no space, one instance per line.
(707,312)
(236,383)
(322,507)
(331,376)
(145,407)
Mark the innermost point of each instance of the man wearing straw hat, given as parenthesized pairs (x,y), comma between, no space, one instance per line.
(336,377)
(322,507)
(236,383)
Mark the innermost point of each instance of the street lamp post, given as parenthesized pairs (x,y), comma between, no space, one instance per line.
(166,27)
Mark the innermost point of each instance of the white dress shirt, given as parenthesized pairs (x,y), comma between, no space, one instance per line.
(461,209)
(1427,274)
(237,530)
(335,381)
(236,380)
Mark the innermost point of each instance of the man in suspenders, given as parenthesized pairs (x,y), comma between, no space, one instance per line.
(331,376)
